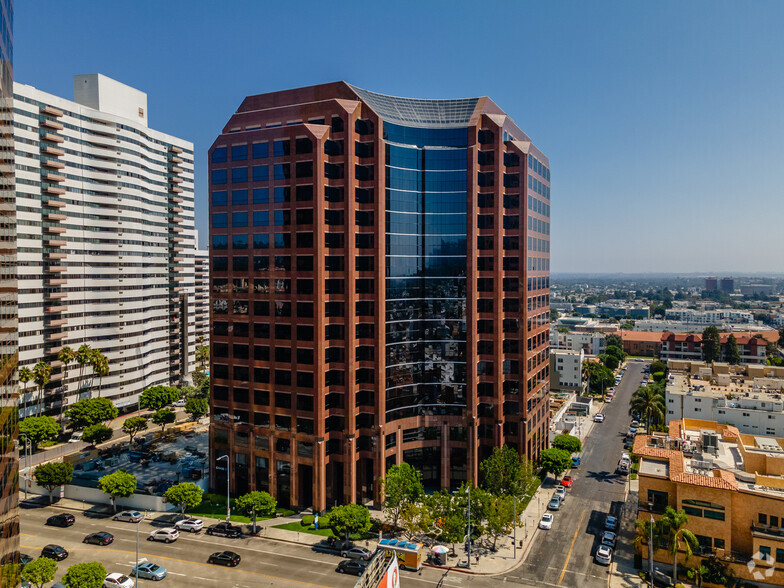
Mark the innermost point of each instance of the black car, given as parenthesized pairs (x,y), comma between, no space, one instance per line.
(24,559)
(54,552)
(224,558)
(101,538)
(224,530)
(351,566)
(61,520)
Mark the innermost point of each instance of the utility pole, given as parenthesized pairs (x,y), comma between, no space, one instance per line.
(468,489)
(650,553)
(514,532)
(228,503)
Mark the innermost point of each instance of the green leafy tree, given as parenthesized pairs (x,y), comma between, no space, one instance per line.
(506,472)
(97,433)
(781,337)
(256,503)
(10,575)
(118,484)
(401,487)
(348,519)
(163,417)
(658,366)
(610,361)
(157,397)
(416,518)
(199,377)
(40,428)
(568,443)
(134,425)
(711,344)
(42,375)
(91,411)
(649,402)
(40,571)
(731,351)
(615,351)
(642,534)
(600,377)
(85,575)
(203,355)
(673,523)
(197,407)
(184,495)
(555,461)
(53,475)
(499,516)
(554,314)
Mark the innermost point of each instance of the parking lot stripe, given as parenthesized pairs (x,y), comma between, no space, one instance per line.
(571,547)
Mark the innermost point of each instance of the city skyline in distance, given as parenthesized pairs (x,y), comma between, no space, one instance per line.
(662,123)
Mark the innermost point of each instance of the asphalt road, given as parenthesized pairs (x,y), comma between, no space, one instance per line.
(563,556)
(264,562)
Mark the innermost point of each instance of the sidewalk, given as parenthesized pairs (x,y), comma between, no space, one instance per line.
(622,572)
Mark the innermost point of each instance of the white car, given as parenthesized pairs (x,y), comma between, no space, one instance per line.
(192,525)
(129,516)
(560,492)
(180,403)
(117,581)
(598,417)
(604,555)
(76,437)
(166,535)
(547,521)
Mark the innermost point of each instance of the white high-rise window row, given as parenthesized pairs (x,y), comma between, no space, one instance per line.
(106,243)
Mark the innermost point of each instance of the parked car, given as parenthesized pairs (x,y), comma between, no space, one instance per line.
(604,555)
(351,566)
(547,521)
(117,581)
(54,552)
(560,492)
(101,538)
(149,571)
(76,437)
(608,398)
(63,519)
(129,516)
(166,535)
(610,523)
(24,559)
(180,403)
(608,539)
(332,545)
(191,525)
(554,504)
(224,530)
(635,424)
(357,553)
(567,481)
(576,461)
(598,417)
(225,558)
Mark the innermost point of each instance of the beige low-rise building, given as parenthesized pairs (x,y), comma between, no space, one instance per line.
(731,486)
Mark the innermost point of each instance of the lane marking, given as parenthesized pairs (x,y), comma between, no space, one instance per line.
(571,547)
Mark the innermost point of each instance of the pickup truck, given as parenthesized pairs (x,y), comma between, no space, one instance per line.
(224,530)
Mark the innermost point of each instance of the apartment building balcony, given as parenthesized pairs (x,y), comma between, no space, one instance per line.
(54,216)
(57,243)
(58,322)
(56,308)
(176,199)
(177,229)
(52,124)
(175,170)
(53,164)
(50,177)
(52,150)
(53,348)
(52,137)
(56,281)
(55,203)
(55,269)
(54,190)
(177,249)
(56,230)
(56,336)
(767,532)
(176,180)
(175,189)
(176,209)
(178,239)
(179,278)
(57,295)
(7,169)
(174,149)
(51,111)
(178,289)
(177,219)
(175,159)
(178,259)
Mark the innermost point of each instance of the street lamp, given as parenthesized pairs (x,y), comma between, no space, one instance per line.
(468,491)
(27,463)
(228,504)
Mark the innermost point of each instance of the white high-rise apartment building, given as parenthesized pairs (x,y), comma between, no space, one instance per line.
(202,298)
(106,242)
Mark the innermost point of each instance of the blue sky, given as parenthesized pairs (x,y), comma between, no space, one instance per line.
(663,121)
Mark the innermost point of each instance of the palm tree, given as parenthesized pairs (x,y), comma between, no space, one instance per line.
(42,374)
(673,525)
(100,368)
(66,356)
(642,534)
(83,357)
(649,402)
(25,375)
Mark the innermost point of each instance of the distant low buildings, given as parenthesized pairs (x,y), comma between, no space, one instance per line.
(709,317)
(641,342)
(758,289)
(566,370)
(588,343)
(752,346)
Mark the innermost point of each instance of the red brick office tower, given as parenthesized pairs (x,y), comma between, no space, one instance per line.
(380,292)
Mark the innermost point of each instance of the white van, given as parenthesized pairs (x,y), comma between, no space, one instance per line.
(76,437)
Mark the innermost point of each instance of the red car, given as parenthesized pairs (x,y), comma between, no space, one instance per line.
(566,482)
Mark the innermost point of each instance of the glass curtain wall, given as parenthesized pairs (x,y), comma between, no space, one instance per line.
(425,271)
